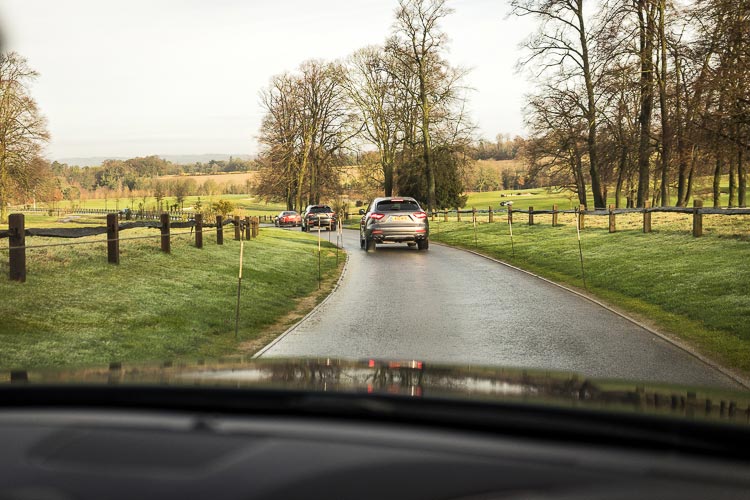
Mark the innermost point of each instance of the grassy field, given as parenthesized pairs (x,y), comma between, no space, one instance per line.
(231,178)
(242,201)
(75,309)
(565,199)
(246,205)
(697,289)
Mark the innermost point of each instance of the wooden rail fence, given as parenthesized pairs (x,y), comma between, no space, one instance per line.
(17,233)
(697,211)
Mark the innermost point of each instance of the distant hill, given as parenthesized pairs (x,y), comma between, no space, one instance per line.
(90,161)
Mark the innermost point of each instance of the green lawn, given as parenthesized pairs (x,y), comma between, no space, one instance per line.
(695,288)
(75,309)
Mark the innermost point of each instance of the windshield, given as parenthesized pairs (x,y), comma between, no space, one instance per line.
(572,177)
(403,205)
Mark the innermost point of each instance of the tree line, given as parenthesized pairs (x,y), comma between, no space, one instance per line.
(399,108)
(643,96)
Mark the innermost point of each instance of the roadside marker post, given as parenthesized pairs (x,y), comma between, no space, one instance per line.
(510,228)
(476,243)
(318,251)
(239,290)
(580,248)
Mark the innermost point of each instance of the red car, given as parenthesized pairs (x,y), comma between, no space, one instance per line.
(288,218)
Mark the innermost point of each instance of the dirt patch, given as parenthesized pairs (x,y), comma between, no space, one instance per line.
(302,307)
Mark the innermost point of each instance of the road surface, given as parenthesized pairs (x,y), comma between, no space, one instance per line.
(449,306)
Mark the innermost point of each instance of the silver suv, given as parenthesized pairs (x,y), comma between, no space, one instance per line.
(394,220)
(321,216)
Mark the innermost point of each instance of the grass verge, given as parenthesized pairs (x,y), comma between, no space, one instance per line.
(75,309)
(695,289)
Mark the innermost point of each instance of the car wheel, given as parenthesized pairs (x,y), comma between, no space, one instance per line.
(370,245)
(361,242)
(304,229)
(423,244)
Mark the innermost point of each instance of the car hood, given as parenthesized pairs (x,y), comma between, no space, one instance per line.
(411,379)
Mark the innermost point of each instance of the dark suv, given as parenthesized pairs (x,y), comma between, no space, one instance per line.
(394,220)
(321,216)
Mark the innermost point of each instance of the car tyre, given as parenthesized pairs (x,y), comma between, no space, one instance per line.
(370,245)
(423,244)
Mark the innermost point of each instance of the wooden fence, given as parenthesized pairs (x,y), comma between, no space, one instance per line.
(697,211)
(17,233)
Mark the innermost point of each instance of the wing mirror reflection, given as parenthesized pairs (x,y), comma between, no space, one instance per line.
(361,211)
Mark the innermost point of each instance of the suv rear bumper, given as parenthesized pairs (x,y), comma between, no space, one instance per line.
(319,222)
(398,234)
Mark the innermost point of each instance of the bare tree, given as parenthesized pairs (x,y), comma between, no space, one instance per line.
(562,47)
(372,86)
(23,130)
(417,43)
(306,127)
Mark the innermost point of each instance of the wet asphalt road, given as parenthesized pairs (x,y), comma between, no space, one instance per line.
(449,306)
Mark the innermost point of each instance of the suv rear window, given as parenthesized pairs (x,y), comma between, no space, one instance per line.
(401,206)
(320,210)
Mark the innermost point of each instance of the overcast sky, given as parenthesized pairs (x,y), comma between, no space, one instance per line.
(138,77)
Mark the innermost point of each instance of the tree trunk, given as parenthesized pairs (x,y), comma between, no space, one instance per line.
(666,139)
(620,176)
(719,166)
(742,174)
(682,147)
(732,182)
(387,176)
(427,155)
(596,183)
(580,181)
(693,159)
(646,36)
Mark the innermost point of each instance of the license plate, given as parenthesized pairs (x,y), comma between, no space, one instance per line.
(400,218)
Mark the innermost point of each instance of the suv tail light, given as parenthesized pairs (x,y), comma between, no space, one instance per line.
(420,215)
(376,215)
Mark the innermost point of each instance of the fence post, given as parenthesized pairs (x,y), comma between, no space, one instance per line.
(582,211)
(491,215)
(255,221)
(248,229)
(612,227)
(697,218)
(445,215)
(473,215)
(198,230)
(17,242)
(531,216)
(165,243)
(113,239)
(554,215)
(219,230)
(510,214)
(237,228)
(646,217)
(458,214)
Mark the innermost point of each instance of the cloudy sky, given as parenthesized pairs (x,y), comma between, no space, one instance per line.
(138,77)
